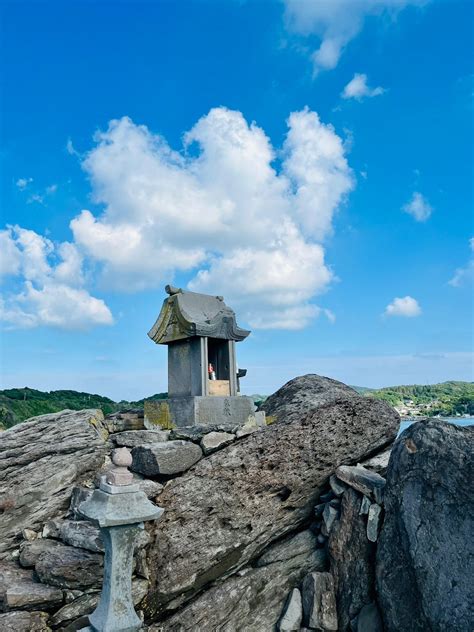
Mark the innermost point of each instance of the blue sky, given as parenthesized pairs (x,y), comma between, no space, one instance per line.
(310,161)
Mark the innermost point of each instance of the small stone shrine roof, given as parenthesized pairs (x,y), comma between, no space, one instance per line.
(188,314)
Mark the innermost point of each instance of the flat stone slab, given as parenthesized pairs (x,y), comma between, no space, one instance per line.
(319,601)
(215,441)
(30,551)
(82,534)
(373,521)
(133,438)
(166,458)
(19,591)
(292,614)
(70,567)
(24,622)
(365,481)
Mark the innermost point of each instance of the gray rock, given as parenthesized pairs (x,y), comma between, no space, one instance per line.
(319,601)
(51,529)
(253,492)
(252,599)
(321,539)
(292,614)
(303,395)
(40,462)
(378,462)
(69,567)
(133,438)
(215,441)
(368,483)
(86,604)
(29,535)
(337,486)
(364,506)
(425,553)
(125,420)
(79,495)
(30,551)
(248,428)
(327,497)
(373,521)
(24,622)
(151,488)
(19,591)
(166,458)
(196,433)
(299,545)
(369,619)
(352,559)
(329,516)
(318,510)
(82,534)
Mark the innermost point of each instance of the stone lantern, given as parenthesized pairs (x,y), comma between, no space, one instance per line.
(200,332)
(119,509)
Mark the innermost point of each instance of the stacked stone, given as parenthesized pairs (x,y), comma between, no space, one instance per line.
(52,578)
(347,523)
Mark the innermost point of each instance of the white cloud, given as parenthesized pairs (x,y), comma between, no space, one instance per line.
(51,189)
(10,255)
(406,306)
(466,273)
(358,89)
(55,305)
(336,22)
(22,183)
(52,276)
(223,209)
(418,207)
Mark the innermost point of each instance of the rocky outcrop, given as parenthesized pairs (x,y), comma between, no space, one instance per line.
(304,394)
(232,504)
(251,600)
(40,461)
(352,558)
(425,557)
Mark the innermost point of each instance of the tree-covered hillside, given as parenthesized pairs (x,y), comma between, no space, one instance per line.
(447,398)
(18,404)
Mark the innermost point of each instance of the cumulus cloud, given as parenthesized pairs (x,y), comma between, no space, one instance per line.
(406,306)
(336,23)
(358,89)
(51,292)
(245,219)
(418,207)
(466,273)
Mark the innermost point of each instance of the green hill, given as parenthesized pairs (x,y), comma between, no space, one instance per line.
(446,399)
(18,404)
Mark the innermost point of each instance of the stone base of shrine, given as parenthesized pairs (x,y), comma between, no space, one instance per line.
(177,412)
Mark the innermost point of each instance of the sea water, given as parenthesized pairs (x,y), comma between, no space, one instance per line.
(458,421)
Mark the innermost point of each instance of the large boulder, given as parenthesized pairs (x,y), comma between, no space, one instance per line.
(425,556)
(235,502)
(40,462)
(303,394)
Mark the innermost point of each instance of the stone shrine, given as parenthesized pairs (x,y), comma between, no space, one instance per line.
(203,381)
